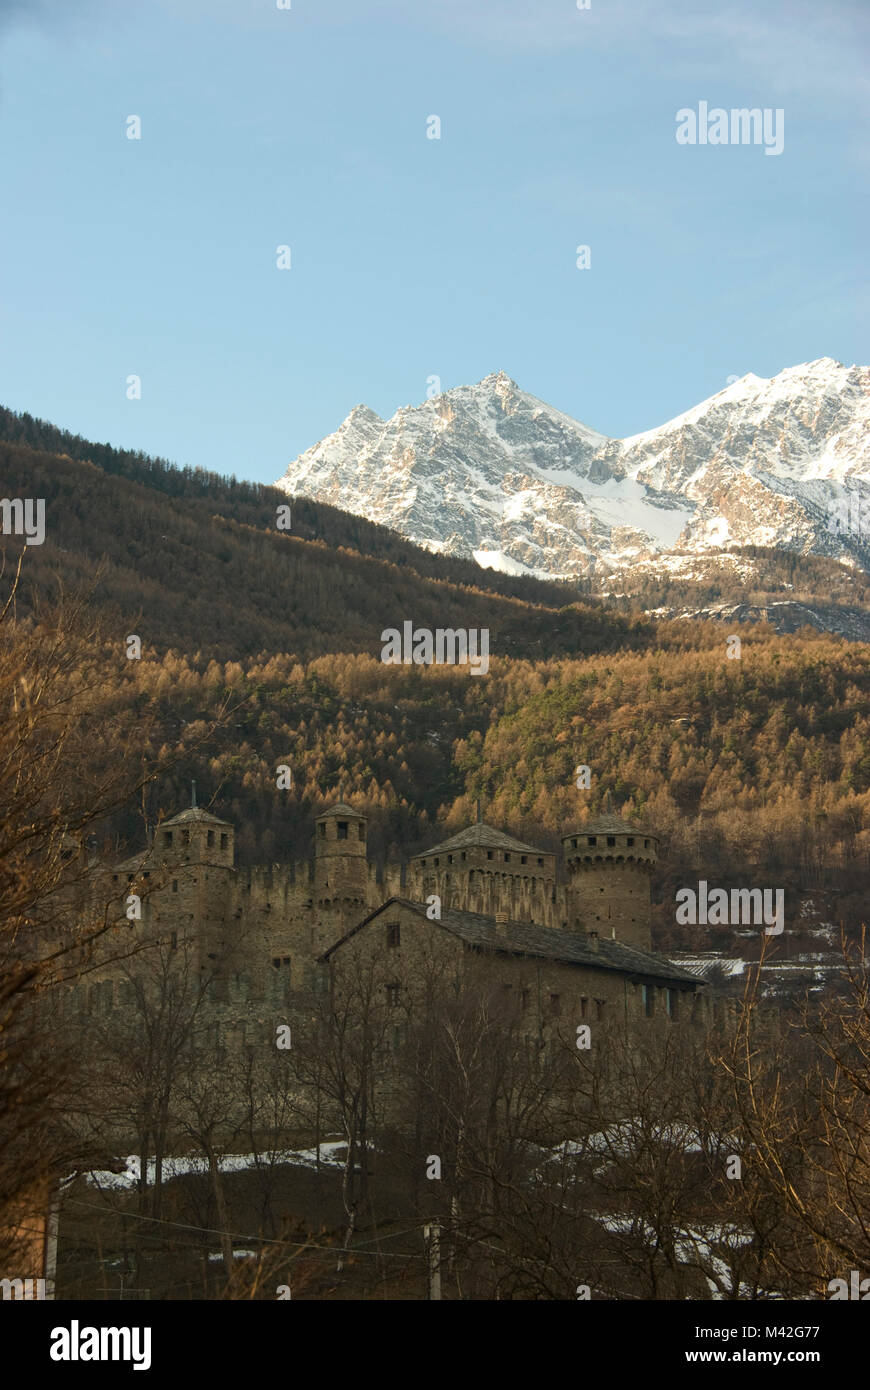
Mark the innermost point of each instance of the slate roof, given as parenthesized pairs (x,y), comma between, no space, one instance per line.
(340,808)
(193,815)
(480,836)
(608,825)
(542,943)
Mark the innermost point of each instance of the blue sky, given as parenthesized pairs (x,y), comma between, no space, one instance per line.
(412,257)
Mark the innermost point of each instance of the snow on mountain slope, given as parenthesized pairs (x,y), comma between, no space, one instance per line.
(490,472)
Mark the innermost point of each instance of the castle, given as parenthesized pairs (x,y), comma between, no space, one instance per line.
(579,930)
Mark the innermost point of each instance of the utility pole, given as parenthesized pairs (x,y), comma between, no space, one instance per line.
(432,1237)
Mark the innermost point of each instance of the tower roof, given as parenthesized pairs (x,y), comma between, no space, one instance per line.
(481,836)
(195,815)
(340,808)
(608,825)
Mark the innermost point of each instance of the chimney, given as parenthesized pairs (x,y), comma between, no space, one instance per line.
(592,938)
(501,921)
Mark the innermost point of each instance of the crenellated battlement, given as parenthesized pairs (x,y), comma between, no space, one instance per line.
(269,923)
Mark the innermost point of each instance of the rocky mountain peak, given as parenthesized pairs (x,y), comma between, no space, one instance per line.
(491,472)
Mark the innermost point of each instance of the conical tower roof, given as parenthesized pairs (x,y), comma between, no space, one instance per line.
(482,836)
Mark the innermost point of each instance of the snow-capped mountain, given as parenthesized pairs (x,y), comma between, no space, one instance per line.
(491,472)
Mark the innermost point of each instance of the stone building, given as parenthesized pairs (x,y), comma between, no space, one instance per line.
(548,975)
(575,933)
(605,887)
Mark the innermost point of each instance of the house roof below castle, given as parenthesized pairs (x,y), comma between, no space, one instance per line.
(480,836)
(542,943)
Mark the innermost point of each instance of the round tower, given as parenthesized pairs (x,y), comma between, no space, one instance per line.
(340,859)
(609,864)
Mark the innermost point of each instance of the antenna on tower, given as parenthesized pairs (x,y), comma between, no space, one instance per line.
(341,791)
(192,794)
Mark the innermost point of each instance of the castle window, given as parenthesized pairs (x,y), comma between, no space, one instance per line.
(573,844)
(523,858)
(673,1003)
(342,830)
(463,854)
(173,944)
(422,863)
(114,878)
(599,1005)
(524,999)
(393,995)
(647,1000)
(489,854)
(361,831)
(210,838)
(393,933)
(611,839)
(436,862)
(540,861)
(175,885)
(646,844)
(507,858)
(276,962)
(167,837)
(583,1003)
(450,859)
(555,1004)
(224,841)
(630,840)
(321,830)
(591,840)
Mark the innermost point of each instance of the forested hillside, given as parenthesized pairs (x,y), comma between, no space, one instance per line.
(208,570)
(744,768)
(756,766)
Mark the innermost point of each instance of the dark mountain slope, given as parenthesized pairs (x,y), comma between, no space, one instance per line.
(200,558)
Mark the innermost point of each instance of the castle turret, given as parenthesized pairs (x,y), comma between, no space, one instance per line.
(340,866)
(482,869)
(195,836)
(198,850)
(609,864)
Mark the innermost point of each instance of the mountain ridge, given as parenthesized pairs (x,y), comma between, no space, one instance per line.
(494,474)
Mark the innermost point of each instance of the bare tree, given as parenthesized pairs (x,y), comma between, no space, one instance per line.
(804,1099)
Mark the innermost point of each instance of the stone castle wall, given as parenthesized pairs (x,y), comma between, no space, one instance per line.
(271,923)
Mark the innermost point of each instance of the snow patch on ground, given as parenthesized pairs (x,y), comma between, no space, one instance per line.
(332,1155)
